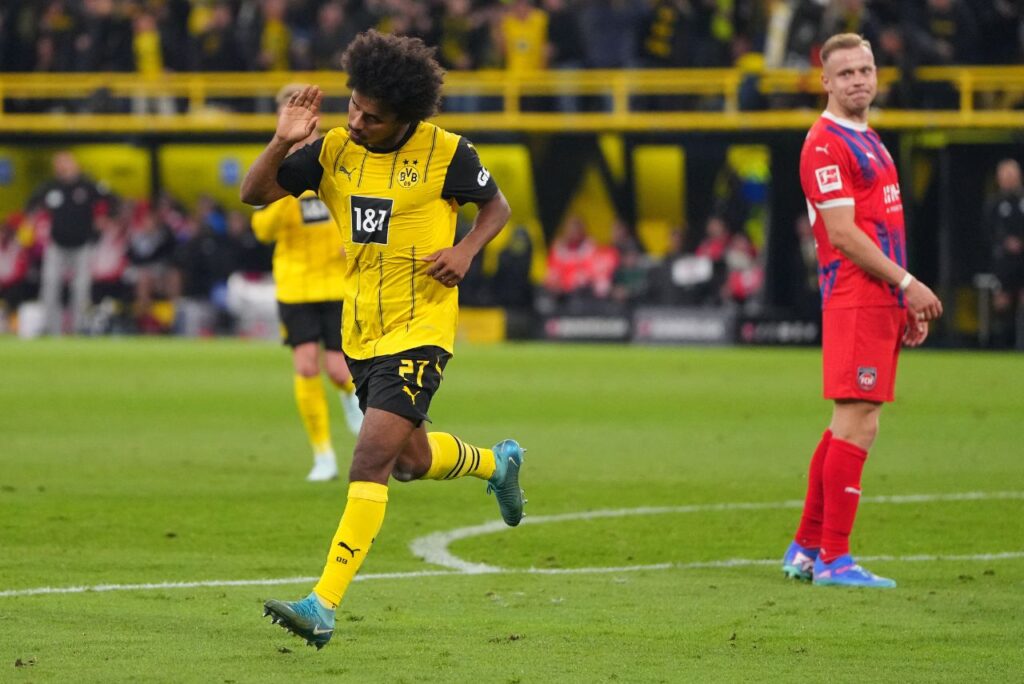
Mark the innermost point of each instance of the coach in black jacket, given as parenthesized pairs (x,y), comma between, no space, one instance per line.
(73,204)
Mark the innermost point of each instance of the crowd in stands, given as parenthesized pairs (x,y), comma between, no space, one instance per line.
(151,36)
(126,266)
(585,277)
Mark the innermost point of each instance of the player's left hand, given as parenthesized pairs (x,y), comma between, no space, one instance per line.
(449,265)
(916,331)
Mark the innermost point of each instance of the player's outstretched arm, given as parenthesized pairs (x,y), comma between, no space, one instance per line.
(297,120)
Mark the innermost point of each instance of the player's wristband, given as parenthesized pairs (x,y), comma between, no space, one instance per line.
(905,283)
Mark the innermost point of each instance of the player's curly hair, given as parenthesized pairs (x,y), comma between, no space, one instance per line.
(398,72)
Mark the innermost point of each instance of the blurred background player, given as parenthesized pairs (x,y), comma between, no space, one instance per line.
(394,182)
(870,303)
(309,273)
(1005,223)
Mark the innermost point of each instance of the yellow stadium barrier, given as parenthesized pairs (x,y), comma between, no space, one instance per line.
(986,98)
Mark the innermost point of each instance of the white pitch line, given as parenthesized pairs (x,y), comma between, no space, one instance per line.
(434,546)
(696,565)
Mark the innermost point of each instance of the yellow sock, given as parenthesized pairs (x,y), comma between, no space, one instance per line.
(348,387)
(312,403)
(359,525)
(452,458)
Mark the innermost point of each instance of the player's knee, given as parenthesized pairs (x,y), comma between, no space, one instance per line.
(339,378)
(306,365)
(864,432)
(410,466)
(307,371)
(868,436)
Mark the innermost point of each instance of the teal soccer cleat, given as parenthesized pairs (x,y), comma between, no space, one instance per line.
(798,563)
(844,572)
(508,459)
(306,619)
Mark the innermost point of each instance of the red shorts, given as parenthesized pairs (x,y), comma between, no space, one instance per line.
(859,350)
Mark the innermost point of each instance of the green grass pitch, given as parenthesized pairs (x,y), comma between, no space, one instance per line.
(128,463)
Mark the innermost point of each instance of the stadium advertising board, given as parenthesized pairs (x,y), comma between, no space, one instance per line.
(683,326)
(778,331)
(587,328)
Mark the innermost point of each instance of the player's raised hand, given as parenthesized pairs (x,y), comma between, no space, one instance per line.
(298,117)
(922,301)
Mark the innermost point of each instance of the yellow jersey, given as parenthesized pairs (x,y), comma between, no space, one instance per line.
(309,262)
(394,208)
(525,40)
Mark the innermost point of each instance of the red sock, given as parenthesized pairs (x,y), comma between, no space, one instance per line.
(808,535)
(841,486)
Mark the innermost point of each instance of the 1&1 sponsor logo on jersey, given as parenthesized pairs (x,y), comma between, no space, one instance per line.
(371,217)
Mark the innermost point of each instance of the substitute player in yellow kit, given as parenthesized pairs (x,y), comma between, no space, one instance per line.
(393,182)
(309,273)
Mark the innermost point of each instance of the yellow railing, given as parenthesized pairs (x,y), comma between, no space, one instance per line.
(986,95)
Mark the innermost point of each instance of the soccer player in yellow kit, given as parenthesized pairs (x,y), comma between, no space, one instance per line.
(309,272)
(393,182)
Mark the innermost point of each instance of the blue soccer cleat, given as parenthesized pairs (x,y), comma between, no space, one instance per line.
(844,572)
(798,562)
(508,459)
(307,619)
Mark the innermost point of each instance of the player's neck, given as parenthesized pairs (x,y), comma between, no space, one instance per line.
(848,118)
(400,138)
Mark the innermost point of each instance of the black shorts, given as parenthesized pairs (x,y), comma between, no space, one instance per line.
(311,322)
(402,383)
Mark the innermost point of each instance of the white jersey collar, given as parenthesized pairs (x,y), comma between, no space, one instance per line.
(845,123)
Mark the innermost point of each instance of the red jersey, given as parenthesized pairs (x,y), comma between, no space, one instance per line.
(844,163)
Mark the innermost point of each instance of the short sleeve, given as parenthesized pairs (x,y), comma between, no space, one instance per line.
(467,180)
(267,219)
(825,174)
(301,170)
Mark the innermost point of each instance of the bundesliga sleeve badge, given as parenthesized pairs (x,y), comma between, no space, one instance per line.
(828,178)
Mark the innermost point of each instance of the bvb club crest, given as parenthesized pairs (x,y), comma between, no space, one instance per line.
(409,174)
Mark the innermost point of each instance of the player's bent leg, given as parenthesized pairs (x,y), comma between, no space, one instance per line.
(508,460)
(413,462)
(450,458)
(845,572)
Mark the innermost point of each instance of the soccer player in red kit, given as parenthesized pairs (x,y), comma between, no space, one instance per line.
(871,305)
